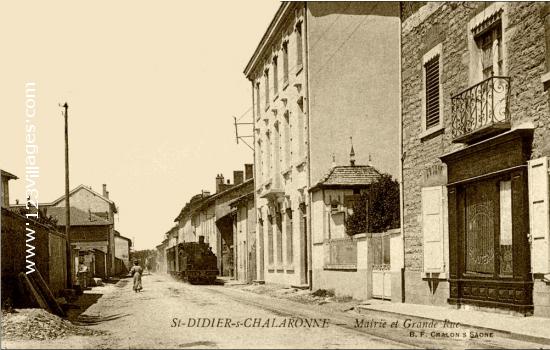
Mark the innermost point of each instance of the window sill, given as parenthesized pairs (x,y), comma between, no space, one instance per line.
(437,129)
(435,275)
(299,164)
(286,172)
(349,267)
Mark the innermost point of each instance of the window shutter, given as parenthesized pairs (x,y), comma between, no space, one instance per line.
(432,92)
(433,228)
(539,215)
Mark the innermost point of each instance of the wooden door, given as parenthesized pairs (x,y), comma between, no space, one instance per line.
(480,227)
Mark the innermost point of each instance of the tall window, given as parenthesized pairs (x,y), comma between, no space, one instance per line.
(275,77)
(431,76)
(289,249)
(285,63)
(300,132)
(268,154)
(279,225)
(287,142)
(490,44)
(258,108)
(260,163)
(299,45)
(266,76)
(276,154)
(270,239)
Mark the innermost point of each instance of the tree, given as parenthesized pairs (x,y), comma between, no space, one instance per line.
(377,209)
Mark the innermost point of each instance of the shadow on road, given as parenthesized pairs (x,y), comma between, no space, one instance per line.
(208,344)
(87,320)
(82,304)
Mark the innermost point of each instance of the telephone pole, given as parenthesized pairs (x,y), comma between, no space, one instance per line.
(67,202)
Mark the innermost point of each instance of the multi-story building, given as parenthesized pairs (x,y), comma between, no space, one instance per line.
(89,233)
(212,217)
(84,198)
(476,121)
(323,72)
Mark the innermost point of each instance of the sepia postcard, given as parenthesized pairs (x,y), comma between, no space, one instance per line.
(253,174)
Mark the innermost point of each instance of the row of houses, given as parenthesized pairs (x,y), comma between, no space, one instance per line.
(450,99)
(226,219)
(94,240)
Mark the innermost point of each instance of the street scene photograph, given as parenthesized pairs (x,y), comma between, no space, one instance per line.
(265,174)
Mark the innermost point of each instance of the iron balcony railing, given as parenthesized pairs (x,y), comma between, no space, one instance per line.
(481,109)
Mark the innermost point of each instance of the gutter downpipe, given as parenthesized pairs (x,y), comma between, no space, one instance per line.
(401,161)
(309,271)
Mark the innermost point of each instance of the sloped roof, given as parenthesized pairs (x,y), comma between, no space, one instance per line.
(8,175)
(78,217)
(349,175)
(87,189)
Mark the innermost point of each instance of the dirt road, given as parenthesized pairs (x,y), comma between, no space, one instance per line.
(172,314)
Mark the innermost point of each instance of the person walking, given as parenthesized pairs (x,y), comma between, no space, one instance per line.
(136,271)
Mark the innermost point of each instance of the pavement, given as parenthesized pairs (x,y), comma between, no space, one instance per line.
(530,327)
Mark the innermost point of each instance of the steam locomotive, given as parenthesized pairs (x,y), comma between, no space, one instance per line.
(196,262)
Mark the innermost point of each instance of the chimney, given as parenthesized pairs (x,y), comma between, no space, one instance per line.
(248,171)
(219,182)
(105,192)
(238,177)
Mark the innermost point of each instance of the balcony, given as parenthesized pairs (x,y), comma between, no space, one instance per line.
(482,110)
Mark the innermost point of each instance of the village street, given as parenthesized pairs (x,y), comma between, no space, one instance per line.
(166,314)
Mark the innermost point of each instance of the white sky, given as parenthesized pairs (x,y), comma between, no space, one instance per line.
(152,87)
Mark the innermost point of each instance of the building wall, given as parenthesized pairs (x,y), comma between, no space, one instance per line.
(86,200)
(423,28)
(353,282)
(245,241)
(5,190)
(122,250)
(339,43)
(353,65)
(281,152)
(50,258)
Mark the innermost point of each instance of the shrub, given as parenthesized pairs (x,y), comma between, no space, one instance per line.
(381,201)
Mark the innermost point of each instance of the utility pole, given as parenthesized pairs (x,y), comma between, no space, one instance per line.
(67,202)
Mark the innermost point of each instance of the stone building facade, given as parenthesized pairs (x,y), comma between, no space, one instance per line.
(475,117)
(321,73)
